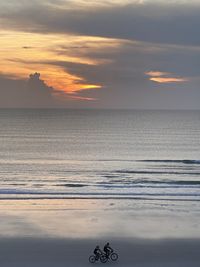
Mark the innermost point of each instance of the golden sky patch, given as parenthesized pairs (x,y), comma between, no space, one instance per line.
(24,53)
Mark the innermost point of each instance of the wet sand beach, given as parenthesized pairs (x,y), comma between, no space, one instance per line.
(57,252)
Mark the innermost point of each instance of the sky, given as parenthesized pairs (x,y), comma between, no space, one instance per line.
(118,54)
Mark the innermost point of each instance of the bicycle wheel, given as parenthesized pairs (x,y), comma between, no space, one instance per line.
(92,259)
(114,256)
(103,258)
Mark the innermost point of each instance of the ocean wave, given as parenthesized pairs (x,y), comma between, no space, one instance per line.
(125,193)
(72,185)
(184,161)
(151,184)
(103,197)
(156,172)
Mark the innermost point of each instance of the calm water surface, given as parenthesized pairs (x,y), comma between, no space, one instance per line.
(90,173)
(97,154)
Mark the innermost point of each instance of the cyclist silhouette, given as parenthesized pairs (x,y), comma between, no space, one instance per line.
(107,249)
(97,252)
(103,256)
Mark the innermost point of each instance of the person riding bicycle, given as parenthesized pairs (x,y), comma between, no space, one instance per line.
(107,249)
(97,252)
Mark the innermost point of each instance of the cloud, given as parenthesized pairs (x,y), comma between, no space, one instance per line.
(100,51)
(35,93)
(124,82)
(167,79)
(38,91)
(18,63)
(164,77)
(157,73)
(25,93)
(175,22)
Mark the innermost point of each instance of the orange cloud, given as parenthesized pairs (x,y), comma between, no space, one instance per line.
(156,73)
(167,79)
(24,53)
(164,77)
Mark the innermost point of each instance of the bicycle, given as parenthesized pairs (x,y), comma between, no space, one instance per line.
(111,256)
(102,257)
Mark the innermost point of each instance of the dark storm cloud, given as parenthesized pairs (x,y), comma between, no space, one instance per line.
(173,23)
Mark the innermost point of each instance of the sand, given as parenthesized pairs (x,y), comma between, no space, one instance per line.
(54,252)
(64,233)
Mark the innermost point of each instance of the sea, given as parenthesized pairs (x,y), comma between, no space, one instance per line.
(97,154)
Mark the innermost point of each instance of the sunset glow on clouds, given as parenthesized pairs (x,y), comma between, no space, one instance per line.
(164,77)
(23,53)
(167,79)
(95,54)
